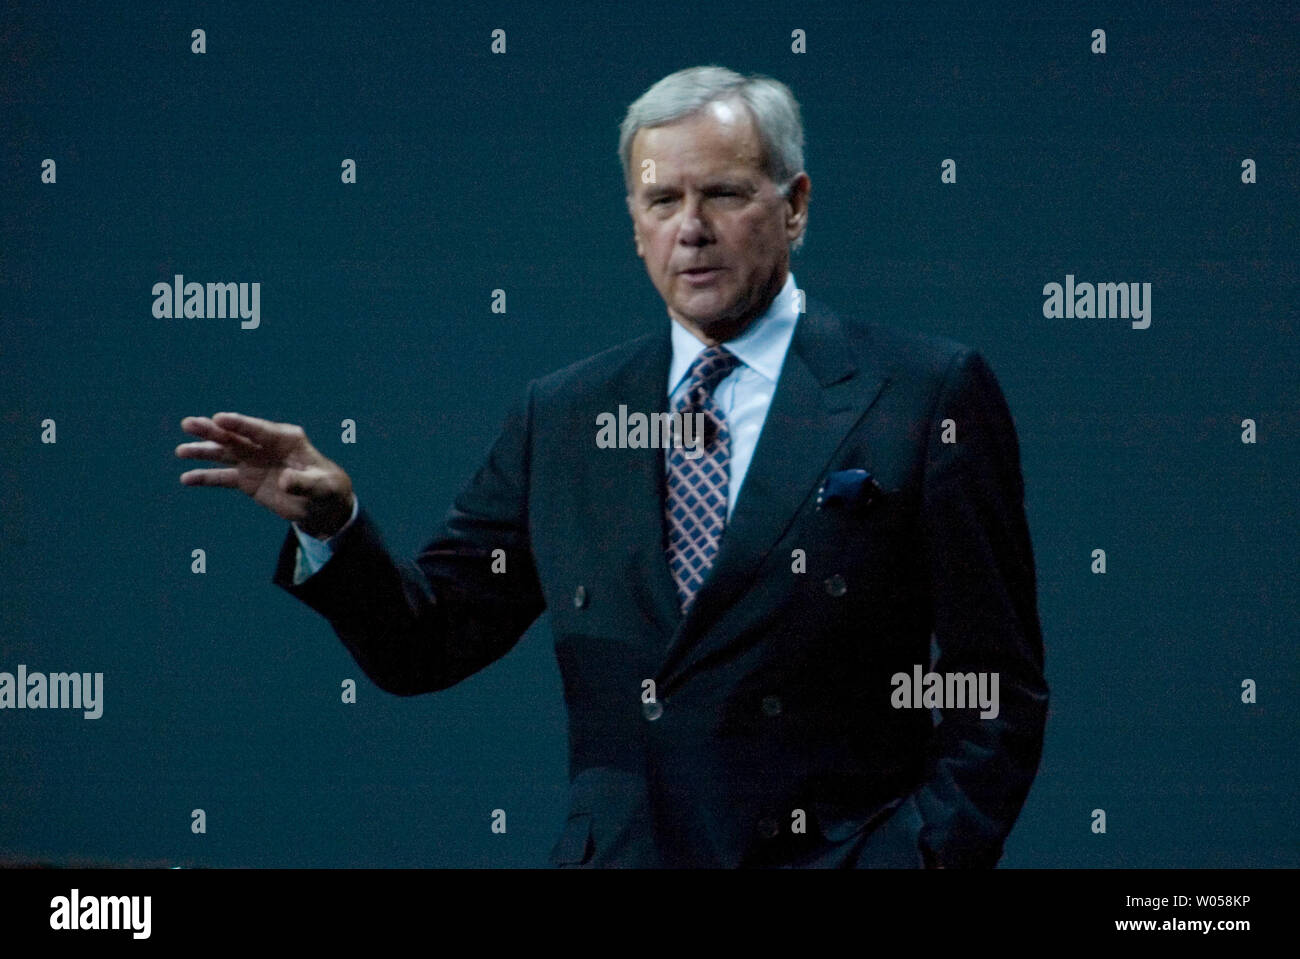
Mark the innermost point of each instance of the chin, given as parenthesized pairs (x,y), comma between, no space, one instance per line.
(706,321)
(705,310)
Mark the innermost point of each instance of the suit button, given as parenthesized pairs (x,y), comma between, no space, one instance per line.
(771,705)
(580,597)
(767,827)
(652,710)
(836,586)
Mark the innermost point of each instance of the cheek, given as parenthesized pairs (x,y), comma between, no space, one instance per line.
(769,231)
(755,239)
(660,249)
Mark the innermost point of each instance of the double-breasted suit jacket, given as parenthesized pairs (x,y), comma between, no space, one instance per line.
(770,735)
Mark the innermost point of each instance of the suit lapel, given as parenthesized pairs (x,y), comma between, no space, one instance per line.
(820,395)
(638,478)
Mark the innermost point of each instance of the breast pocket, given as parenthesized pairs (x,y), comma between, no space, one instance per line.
(857,538)
(866,509)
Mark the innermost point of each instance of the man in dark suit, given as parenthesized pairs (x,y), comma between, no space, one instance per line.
(731,619)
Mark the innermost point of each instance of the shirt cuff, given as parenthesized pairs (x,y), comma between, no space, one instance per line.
(314,553)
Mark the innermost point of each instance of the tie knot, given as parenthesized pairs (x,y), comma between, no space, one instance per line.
(709,369)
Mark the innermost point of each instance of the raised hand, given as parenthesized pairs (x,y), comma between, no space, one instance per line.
(275,464)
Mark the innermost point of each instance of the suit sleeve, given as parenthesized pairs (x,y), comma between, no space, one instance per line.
(983,592)
(461,604)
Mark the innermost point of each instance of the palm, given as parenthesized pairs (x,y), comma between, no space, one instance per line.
(259,477)
(257,454)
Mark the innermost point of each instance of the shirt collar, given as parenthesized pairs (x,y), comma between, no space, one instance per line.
(762,347)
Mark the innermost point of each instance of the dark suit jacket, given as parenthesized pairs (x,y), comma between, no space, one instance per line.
(772,695)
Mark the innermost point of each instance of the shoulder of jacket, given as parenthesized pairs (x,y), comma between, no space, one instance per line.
(910,352)
(597,369)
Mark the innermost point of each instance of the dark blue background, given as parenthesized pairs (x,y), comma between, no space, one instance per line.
(479,171)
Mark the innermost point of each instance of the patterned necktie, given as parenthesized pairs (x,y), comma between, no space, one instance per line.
(696,505)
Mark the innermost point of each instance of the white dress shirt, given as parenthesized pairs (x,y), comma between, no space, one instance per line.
(744,397)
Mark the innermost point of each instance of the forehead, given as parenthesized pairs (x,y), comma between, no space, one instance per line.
(721,137)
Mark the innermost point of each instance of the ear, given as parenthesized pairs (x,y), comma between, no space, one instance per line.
(796,217)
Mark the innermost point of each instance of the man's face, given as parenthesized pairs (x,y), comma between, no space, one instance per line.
(713,229)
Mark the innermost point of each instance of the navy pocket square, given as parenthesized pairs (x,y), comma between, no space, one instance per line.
(848,488)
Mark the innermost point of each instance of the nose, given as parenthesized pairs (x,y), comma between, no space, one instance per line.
(694,229)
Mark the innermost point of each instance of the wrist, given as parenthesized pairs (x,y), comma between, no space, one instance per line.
(327,524)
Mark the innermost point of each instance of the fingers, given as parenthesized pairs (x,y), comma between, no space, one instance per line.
(206,451)
(241,446)
(260,431)
(228,478)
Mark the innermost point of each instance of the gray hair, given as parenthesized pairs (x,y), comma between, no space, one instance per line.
(686,92)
